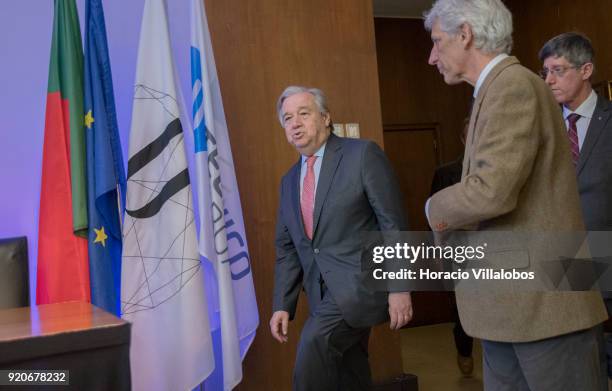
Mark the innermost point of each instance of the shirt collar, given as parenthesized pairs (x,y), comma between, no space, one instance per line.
(318,154)
(483,75)
(586,108)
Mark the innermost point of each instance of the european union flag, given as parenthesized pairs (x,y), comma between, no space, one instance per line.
(105,169)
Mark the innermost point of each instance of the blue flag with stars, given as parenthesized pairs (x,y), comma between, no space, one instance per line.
(105,169)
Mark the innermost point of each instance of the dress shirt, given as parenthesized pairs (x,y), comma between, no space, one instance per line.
(585,110)
(317,168)
(485,71)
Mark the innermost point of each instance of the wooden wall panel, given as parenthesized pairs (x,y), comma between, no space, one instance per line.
(411,90)
(535,22)
(260,47)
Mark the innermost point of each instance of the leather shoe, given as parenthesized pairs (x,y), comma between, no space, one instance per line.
(465,364)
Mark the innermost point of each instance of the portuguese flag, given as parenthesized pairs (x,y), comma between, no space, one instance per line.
(63,270)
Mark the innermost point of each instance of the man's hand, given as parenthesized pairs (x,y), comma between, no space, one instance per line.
(400,309)
(279,323)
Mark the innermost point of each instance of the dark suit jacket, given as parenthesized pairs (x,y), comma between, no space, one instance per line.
(447,175)
(357,191)
(595,169)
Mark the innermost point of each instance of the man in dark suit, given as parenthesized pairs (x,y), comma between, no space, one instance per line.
(450,173)
(338,189)
(568,66)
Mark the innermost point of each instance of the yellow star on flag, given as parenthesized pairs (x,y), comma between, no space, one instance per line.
(89,119)
(100,236)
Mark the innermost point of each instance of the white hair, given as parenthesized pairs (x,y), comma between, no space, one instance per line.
(319,98)
(490,20)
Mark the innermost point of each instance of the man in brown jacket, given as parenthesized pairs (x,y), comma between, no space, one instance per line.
(517,176)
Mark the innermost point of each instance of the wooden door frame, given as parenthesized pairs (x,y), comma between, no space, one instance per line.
(416,127)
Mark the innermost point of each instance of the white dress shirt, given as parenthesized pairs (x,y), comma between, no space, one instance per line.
(585,110)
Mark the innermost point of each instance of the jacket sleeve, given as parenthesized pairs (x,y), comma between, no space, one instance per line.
(288,271)
(385,198)
(501,160)
(382,189)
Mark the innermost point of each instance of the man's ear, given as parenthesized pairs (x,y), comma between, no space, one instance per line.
(465,35)
(587,71)
(327,117)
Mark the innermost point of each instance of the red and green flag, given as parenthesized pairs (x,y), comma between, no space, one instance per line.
(63,270)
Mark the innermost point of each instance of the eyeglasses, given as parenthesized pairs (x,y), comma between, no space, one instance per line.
(558,71)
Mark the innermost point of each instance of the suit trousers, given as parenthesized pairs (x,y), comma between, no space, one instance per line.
(331,355)
(463,342)
(607,340)
(569,362)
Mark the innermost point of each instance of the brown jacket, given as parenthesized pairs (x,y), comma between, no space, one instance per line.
(517,176)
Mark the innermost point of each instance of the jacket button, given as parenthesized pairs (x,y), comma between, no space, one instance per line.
(316,250)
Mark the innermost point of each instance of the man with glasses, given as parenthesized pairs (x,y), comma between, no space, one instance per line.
(568,68)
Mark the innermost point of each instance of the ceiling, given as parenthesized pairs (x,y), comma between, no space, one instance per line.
(401,8)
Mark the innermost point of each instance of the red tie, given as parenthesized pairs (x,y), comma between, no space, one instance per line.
(308,196)
(572,133)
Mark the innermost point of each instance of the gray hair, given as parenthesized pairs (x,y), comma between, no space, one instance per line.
(319,98)
(575,47)
(490,20)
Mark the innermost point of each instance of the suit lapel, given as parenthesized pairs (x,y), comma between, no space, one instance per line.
(497,69)
(295,198)
(598,121)
(331,159)
(469,140)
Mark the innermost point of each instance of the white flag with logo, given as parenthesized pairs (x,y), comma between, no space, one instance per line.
(162,290)
(222,237)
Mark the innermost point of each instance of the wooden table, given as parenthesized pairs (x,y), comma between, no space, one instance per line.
(90,343)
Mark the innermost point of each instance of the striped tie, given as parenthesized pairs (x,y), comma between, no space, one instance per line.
(572,133)
(308,196)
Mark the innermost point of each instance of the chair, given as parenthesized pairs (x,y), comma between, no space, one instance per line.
(14,276)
